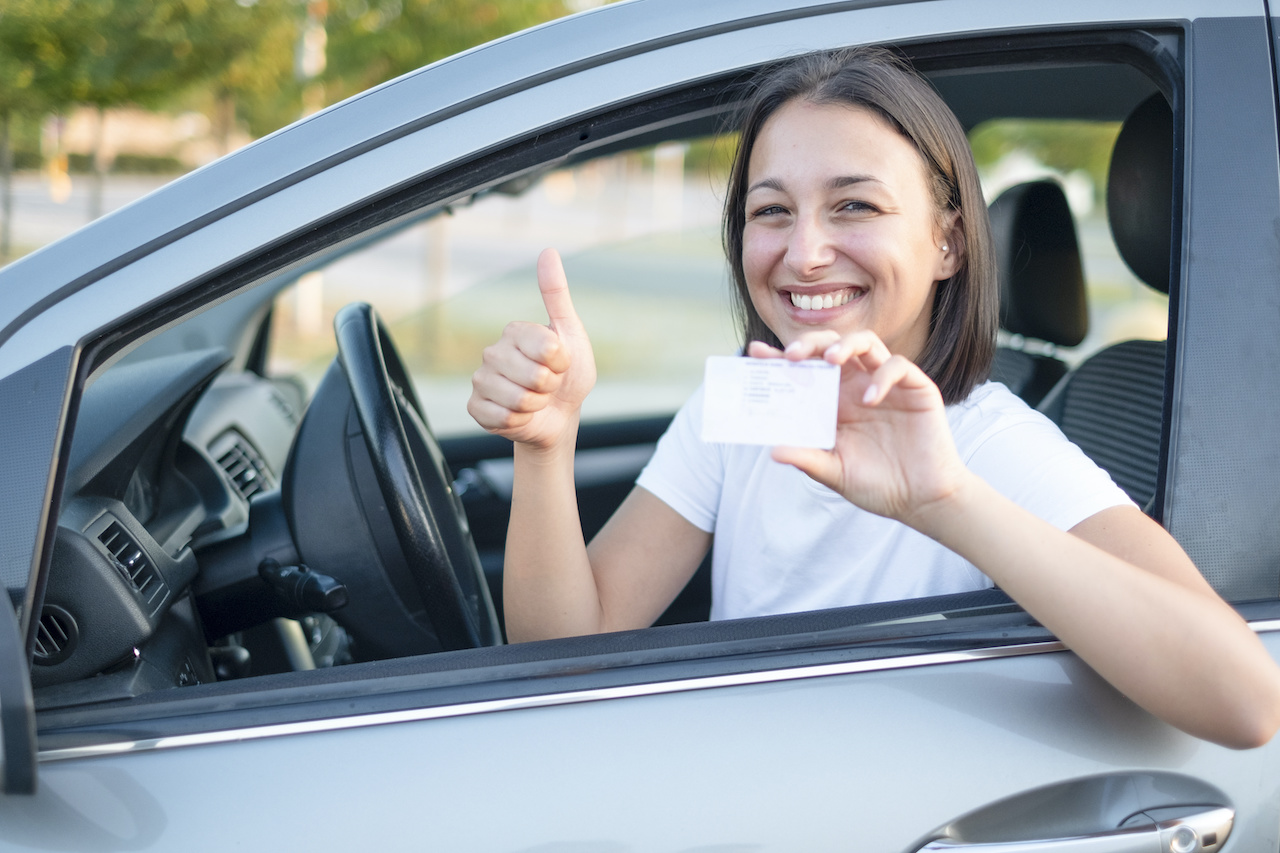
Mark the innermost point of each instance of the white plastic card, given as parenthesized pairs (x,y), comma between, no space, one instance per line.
(770,401)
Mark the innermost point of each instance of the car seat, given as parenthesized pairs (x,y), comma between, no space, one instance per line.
(1112,405)
(1042,295)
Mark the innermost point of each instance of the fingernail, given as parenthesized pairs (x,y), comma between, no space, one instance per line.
(871,393)
(794,346)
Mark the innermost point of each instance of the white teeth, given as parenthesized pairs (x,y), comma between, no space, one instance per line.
(818,302)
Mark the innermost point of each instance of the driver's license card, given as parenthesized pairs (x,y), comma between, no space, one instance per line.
(770,401)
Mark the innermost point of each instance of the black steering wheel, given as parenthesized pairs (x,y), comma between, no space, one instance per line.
(415,579)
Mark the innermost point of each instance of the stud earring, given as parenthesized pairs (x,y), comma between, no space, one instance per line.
(945,247)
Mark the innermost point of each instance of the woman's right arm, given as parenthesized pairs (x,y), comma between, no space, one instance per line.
(530,389)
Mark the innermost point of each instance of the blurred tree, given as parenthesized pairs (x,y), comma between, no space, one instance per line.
(371,41)
(256,86)
(106,53)
(27,43)
(1061,145)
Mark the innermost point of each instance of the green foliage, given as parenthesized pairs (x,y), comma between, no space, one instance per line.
(712,156)
(28,48)
(108,52)
(1061,145)
(371,41)
(232,59)
(259,81)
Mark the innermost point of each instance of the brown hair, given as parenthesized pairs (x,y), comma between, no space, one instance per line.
(963,322)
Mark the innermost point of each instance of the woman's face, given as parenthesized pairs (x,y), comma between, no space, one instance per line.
(841,231)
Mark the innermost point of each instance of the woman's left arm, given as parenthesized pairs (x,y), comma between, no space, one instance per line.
(1117,589)
(1122,594)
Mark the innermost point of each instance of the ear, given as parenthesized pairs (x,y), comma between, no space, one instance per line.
(951,247)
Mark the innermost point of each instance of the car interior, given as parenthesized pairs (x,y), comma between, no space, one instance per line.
(235,531)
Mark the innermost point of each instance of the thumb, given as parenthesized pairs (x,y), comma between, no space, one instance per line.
(821,465)
(555,293)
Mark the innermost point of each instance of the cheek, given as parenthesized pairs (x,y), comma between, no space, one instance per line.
(759,252)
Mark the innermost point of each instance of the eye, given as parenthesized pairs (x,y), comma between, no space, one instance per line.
(768,210)
(855,206)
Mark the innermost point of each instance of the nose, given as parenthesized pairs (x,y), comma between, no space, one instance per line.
(809,248)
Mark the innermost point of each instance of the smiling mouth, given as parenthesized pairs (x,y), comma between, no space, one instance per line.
(819,301)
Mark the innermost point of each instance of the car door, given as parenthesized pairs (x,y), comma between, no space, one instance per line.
(944,723)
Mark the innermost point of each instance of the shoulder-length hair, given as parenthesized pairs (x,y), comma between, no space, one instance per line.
(965,316)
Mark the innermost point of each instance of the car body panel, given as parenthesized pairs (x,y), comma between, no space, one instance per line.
(864,758)
(759,767)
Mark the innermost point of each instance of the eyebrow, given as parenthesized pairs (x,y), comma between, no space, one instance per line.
(849,180)
(836,183)
(766,184)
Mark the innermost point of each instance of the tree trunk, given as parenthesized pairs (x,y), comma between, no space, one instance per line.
(6,187)
(99,166)
(224,121)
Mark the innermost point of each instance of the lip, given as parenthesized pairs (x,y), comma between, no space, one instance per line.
(819,314)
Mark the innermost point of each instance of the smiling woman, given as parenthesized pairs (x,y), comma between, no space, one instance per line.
(841,232)
(835,201)
(917,163)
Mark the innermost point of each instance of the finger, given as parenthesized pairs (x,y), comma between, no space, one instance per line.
(517,367)
(555,293)
(759,349)
(811,344)
(533,342)
(896,371)
(494,418)
(821,465)
(864,345)
(498,389)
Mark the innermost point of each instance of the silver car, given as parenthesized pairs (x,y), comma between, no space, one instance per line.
(258,604)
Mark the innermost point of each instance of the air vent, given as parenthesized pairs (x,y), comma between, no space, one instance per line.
(131,561)
(56,636)
(243,465)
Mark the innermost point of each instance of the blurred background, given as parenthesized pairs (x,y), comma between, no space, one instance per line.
(102,101)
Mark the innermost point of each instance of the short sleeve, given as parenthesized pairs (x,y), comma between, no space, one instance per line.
(1033,464)
(686,473)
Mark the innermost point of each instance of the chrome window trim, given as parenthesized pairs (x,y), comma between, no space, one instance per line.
(573,697)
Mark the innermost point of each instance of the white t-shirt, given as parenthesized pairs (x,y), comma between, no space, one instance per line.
(785,544)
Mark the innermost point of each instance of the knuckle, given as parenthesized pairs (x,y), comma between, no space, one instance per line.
(551,348)
(529,401)
(543,378)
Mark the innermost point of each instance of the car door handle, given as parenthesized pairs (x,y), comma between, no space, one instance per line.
(1201,832)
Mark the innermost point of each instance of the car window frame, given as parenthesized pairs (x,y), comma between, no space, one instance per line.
(574,668)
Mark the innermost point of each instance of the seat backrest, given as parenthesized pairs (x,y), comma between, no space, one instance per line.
(1112,404)
(1042,294)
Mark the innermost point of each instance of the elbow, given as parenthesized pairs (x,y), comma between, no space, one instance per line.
(1249,737)
(1255,729)
(1255,719)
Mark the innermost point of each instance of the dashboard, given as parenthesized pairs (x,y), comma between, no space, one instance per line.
(167,456)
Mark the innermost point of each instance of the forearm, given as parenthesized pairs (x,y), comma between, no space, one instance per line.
(1177,651)
(548,587)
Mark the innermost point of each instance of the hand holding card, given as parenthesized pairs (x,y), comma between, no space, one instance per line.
(770,401)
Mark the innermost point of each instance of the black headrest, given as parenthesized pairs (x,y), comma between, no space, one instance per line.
(1041,277)
(1140,192)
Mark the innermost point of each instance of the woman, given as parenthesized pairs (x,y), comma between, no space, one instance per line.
(856,232)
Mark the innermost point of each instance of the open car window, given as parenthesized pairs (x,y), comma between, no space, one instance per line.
(448,263)
(639,234)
